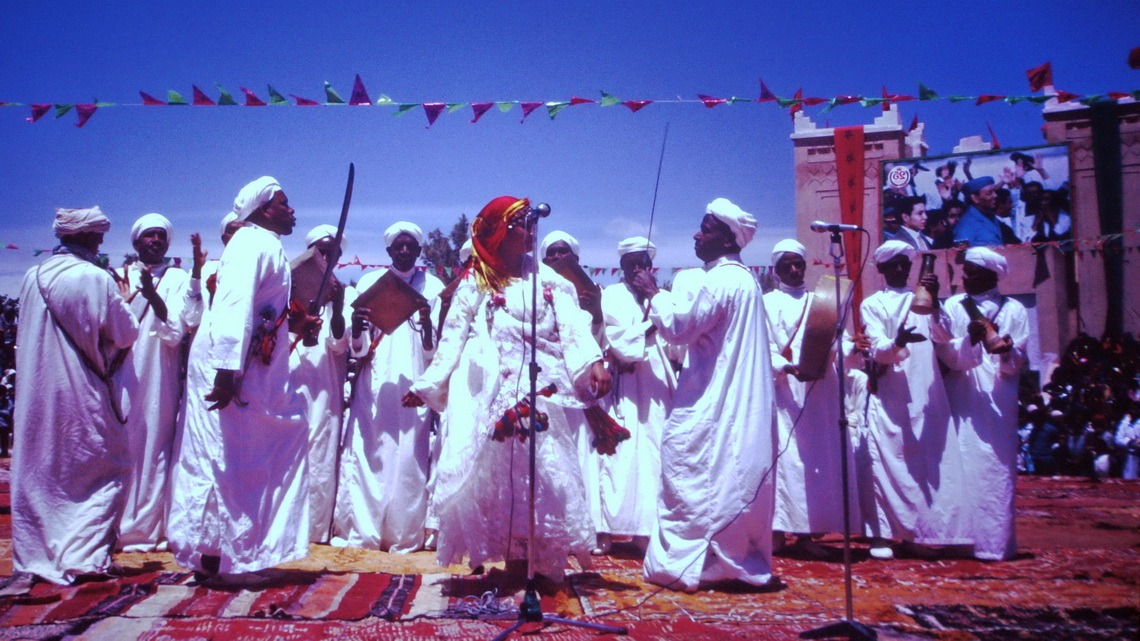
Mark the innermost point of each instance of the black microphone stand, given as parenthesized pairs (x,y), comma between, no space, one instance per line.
(848,627)
(530,610)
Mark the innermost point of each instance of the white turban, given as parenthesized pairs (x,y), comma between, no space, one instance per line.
(321,232)
(556,236)
(150,221)
(226,220)
(77,221)
(465,251)
(254,195)
(786,246)
(637,244)
(988,258)
(403,227)
(742,223)
(892,248)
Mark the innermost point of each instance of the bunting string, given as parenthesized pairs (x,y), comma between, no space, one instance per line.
(1040,79)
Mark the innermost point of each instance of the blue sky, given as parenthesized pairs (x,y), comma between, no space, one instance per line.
(595,166)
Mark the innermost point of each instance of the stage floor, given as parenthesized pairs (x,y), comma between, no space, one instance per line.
(1077,576)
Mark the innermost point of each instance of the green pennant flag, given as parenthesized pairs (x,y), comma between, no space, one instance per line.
(1136,94)
(505,106)
(225,98)
(1038,100)
(385,100)
(609,101)
(62,109)
(276,98)
(37,252)
(735,99)
(402,108)
(787,102)
(960,98)
(926,93)
(554,107)
(453,107)
(1013,100)
(175,98)
(331,96)
(1092,98)
(831,103)
(100,103)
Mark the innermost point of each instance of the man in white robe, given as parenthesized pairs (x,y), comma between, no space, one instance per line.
(809,470)
(912,486)
(71,464)
(230,224)
(167,303)
(382,494)
(982,386)
(317,373)
(714,515)
(644,382)
(239,485)
(554,247)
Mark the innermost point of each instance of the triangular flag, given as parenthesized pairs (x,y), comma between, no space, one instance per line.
(830,105)
(926,93)
(765,94)
(793,101)
(984,99)
(480,108)
(737,99)
(175,98)
(38,112)
(528,107)
(959,98)
(250,99)
(453,107)
(225,99)
(871,102)
(276,98)
(993,138)
(402,108)
(100,103)
(609,101)
(304,102)
(580,101)
(1038,100)
(506,106)
(331,96)
(886,100)
(359,95)
(60,110)
(84,113)
(384,99)
(1040,77)
(913,123)
(37,252)
(11,246)
(797,103)
(636,105)
(1064,96)
(711,102)
(552,108)
(201,99)
(149,99)
(1013,100)
(1117,95)
(811,102)
(433,109)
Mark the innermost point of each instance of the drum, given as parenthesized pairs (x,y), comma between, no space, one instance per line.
(819,328)
(390,301)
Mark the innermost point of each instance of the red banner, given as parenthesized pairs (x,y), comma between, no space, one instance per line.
(849,169)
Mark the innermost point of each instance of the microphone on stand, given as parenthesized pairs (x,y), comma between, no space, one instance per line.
(823,227)
(541,210)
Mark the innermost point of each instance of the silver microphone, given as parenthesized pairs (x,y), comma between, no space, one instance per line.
(821,226)
(541,210)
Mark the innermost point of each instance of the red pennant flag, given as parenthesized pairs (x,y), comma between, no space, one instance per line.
(480,108)
(84,113)
(529,107)
(201,99)
(711,102)
(433,109)
(250,99)
(799,106)
(993,138)
(1117,95)
(1040,77)
(1134,58)
(765,94)
(636,105)
(886,100)
(11,246)
(847,100)
(149,99)
(580,101)
(984,99)
(811,102)
(1064,96)
(38,112)
(913,123)
(304,102)
(359,95)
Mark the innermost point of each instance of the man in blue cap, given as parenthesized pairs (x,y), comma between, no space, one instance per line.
(979,226)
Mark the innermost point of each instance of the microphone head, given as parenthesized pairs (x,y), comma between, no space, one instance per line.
(542,210)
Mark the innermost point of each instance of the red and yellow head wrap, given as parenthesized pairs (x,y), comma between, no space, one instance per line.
(487,233)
